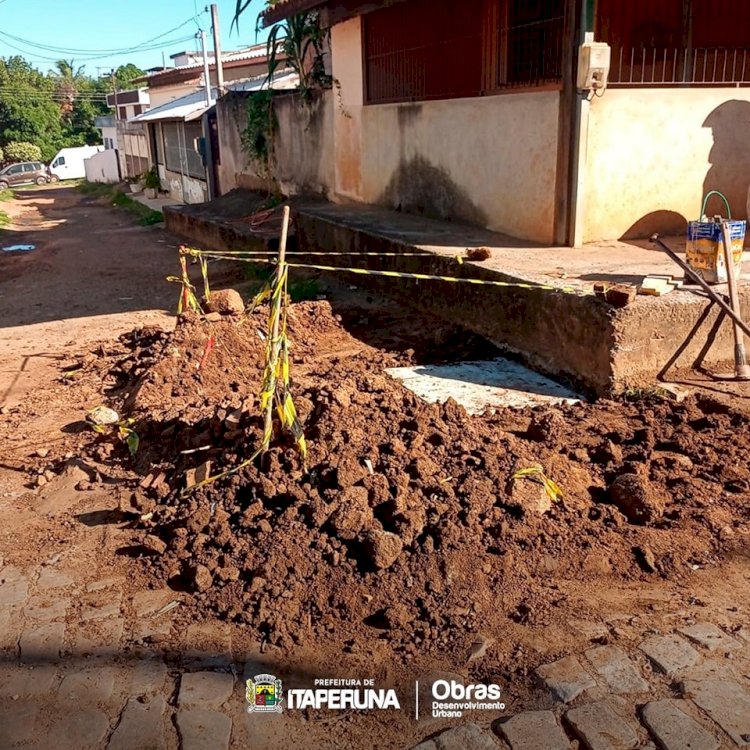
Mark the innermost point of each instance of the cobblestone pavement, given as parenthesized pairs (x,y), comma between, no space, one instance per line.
(77,674)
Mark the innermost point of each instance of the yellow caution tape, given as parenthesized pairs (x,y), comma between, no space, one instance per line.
(405,275)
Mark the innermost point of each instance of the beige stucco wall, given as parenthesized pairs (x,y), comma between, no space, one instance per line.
(303,148)
(491,161)
(651,154)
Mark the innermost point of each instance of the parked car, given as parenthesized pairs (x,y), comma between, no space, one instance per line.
(25,173)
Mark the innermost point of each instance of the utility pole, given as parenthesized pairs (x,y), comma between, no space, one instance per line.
(217,48)
(206,73)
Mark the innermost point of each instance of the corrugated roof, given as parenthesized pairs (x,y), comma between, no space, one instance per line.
(283,80)
(186,108)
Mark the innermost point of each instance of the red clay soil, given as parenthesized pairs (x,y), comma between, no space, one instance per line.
(406,525)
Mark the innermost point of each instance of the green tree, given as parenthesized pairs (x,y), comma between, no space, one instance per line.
(28,111)
(16,151)
(125,75)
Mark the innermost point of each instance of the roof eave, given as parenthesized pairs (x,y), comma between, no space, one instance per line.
(288,8)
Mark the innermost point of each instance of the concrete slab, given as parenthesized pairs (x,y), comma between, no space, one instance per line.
(574,335)
(477,385)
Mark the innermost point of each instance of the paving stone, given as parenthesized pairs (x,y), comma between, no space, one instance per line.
(533,730)
(99,638)
(600,728)
(19,681)
(670,653)
(13,591)
(673,729)
(709,636)
(146,603)
(141,725)
(105,583)
(93,685)
(619,672)
(725,702)
(18,723)
(205,689)
(565,678)
(203,730)
(465,737)
(100,612)
(149,676)
(53,579)
(591,630)
(77,730)
(43,643)
(45,608)
(10,574)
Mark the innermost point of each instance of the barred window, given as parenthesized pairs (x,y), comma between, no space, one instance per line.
(427,49)
(179,149)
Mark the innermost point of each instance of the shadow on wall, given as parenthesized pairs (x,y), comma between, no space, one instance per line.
(729,173)
(418,187)
(663,222)
(730,156)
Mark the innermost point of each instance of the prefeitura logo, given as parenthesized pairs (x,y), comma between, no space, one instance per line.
(264,694)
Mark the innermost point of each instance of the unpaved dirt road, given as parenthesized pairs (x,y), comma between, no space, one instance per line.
(95,653)
(94,274)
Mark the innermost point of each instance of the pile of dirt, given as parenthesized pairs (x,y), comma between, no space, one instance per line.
(407,523)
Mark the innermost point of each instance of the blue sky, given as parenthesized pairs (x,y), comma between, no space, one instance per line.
(107,26)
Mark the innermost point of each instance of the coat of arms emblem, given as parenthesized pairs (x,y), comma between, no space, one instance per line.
(263,694)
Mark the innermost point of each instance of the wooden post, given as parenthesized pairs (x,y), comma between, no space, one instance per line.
(274,332)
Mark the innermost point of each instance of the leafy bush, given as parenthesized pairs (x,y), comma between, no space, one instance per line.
(2,157)
(22,151)
(151,180)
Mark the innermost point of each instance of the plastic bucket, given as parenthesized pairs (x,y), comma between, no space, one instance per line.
(705,245)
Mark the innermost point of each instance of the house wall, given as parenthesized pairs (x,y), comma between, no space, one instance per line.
(182,187)
(303,150)
(102,167)
(653,153)
(491,161)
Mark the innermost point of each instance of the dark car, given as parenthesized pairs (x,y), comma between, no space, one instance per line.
(25,173)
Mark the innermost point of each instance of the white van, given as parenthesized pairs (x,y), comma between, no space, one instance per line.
(68,162)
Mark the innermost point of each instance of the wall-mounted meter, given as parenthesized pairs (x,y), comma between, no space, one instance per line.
(593,64)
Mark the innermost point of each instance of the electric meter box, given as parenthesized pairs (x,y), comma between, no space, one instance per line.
(594,60)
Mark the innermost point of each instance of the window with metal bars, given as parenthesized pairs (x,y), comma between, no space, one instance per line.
(430,49)
(676,42)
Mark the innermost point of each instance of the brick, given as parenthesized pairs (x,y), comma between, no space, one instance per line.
(670,653)
(53,579)
(566,678)
(619,672)
(141,725)
(725,702)
(89,685)
(710,637)
(203,730)
(44,608)
(205,689)
(673,729)
(43,643)
(600,728)
(533,730)
(465,737)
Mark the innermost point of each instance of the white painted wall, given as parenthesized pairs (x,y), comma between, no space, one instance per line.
(652,154)
(102,167)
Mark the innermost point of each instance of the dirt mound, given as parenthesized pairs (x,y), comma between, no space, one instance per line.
(407,524)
